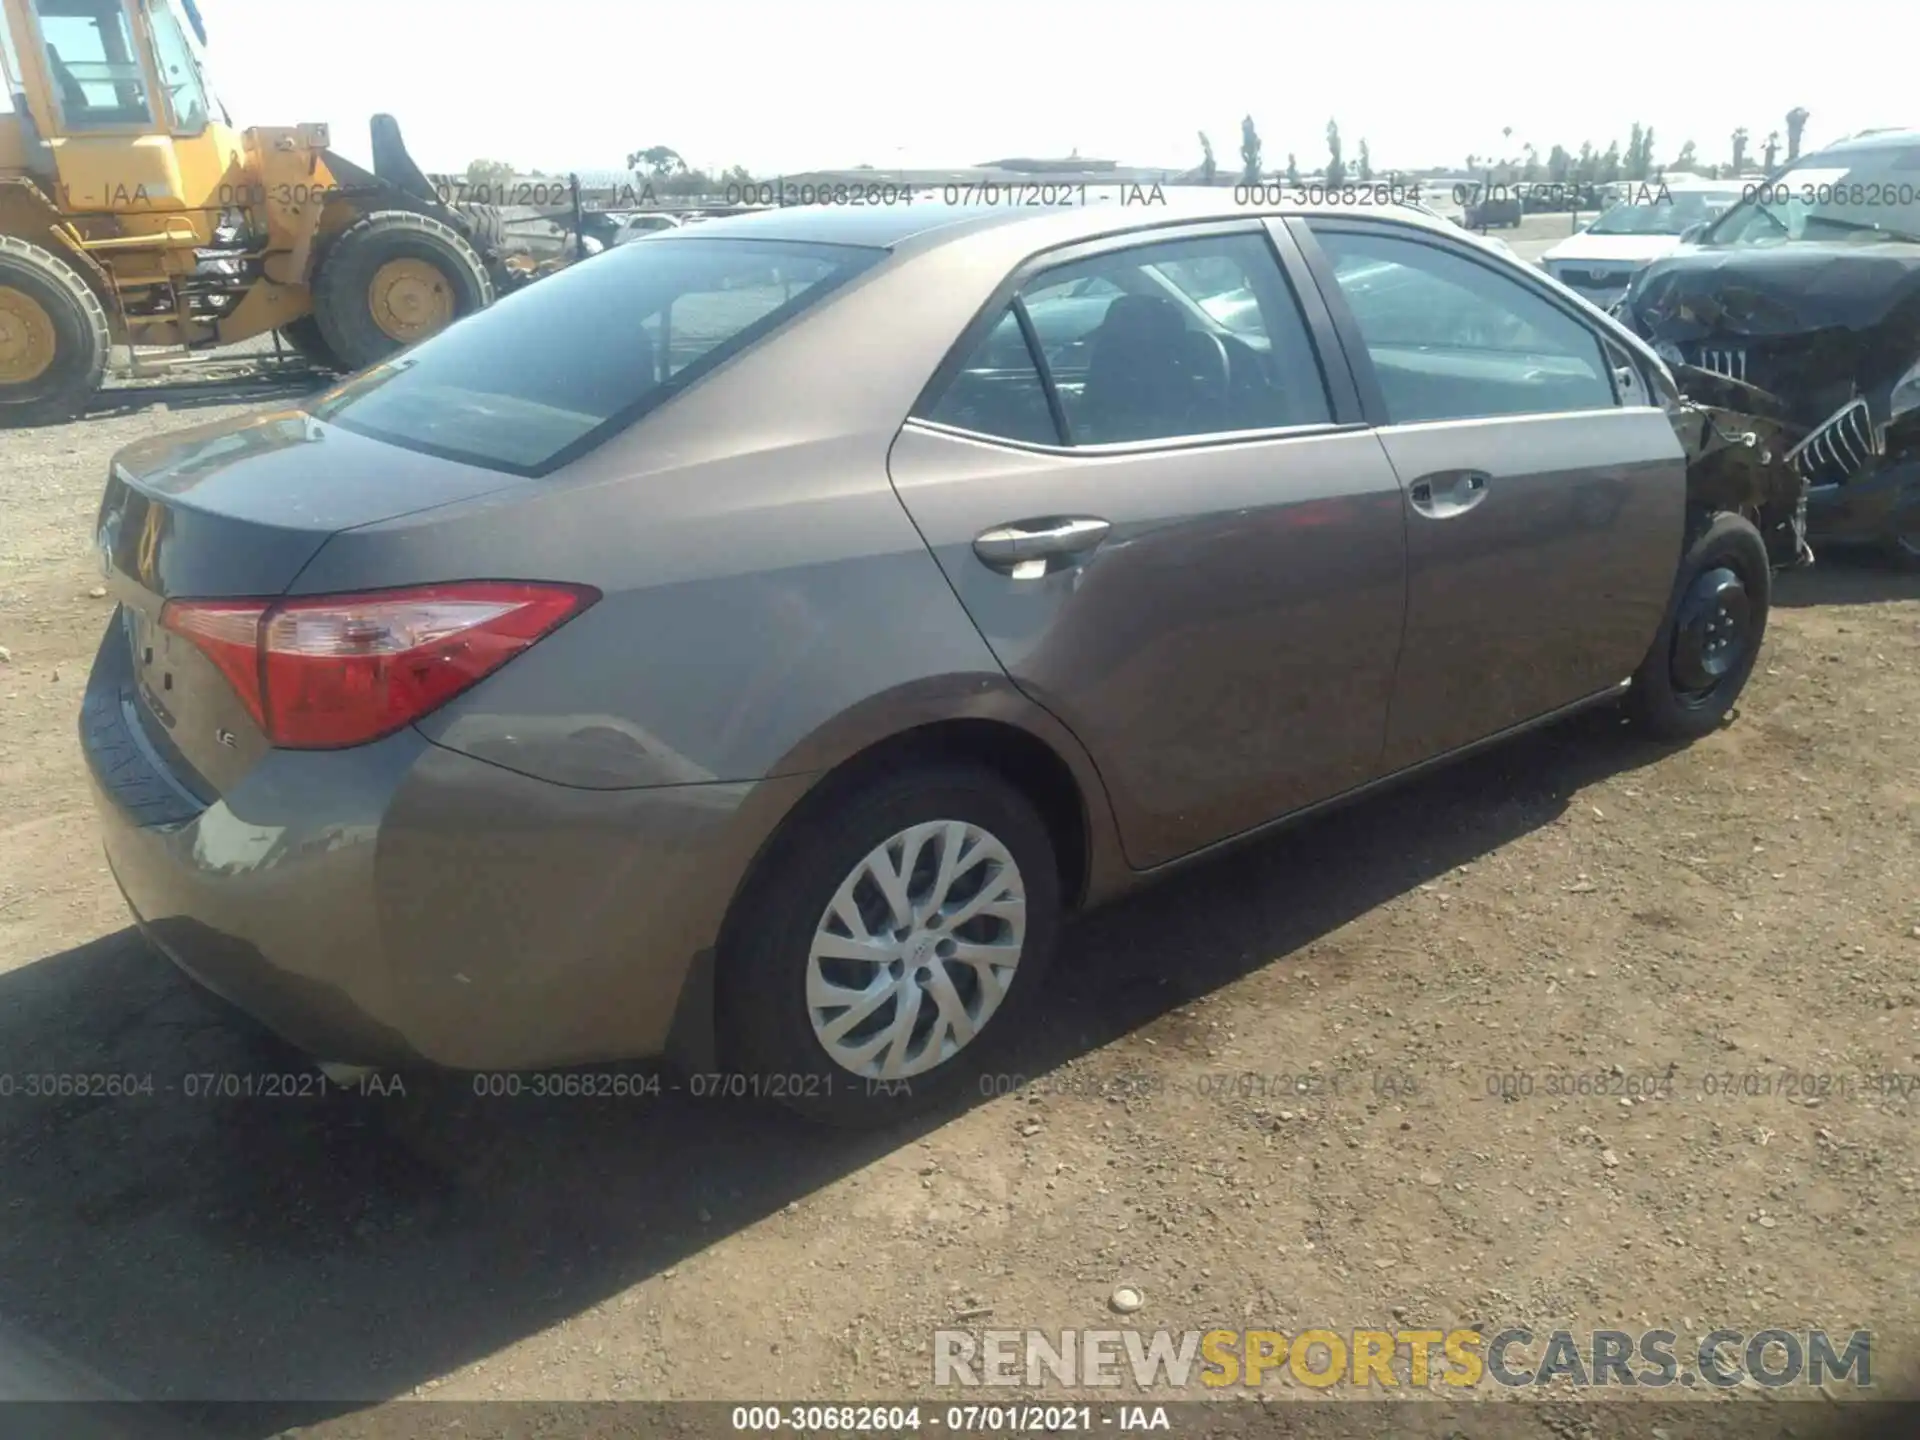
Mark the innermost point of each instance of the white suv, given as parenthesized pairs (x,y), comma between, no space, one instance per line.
(638,227)
(1652,218)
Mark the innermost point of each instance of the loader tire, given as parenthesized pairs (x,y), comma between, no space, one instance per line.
(390,281)
(486,228)
(53,337)
(303,337)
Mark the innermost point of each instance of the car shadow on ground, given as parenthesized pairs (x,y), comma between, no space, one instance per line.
(1846,577)
(186,396)
(345,1250)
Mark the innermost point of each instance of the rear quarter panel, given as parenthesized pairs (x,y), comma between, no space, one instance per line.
(769,607)
(728,633)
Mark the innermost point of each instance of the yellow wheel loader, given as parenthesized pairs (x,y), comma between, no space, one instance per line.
(132,213)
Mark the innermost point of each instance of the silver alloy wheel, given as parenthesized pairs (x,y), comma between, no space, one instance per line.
(915,951)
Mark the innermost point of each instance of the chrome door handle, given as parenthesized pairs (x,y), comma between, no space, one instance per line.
(1448,492)
(1023,549)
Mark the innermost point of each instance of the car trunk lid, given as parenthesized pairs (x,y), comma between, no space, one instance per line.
(236,511)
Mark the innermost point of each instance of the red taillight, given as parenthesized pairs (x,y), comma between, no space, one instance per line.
(327,671)
(229,632)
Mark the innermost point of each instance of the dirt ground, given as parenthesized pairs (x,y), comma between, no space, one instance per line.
(1268,1093)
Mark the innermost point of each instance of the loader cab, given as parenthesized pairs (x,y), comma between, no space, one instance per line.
(117,92)
(109,61)
(180,69)
(99,80)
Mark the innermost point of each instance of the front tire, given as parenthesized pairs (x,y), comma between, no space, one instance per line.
(390,281)
(1710,638)
(303,337)
(893,945)
(53,337)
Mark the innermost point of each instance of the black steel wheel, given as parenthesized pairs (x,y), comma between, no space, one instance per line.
(1710,638)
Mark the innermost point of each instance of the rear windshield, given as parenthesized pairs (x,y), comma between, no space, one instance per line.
(546,374)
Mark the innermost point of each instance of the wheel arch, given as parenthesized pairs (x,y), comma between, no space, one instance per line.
(1050,771)
(27,214)
(1036,767)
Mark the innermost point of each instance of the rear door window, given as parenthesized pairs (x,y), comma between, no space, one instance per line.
(1178,338)
(546,374)
(1175,339)
(998,391)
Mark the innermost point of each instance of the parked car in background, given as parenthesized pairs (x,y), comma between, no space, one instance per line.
(1651,220)
(638,227)
(1485,207)
(751,646)
(1810,291)
(1478,236)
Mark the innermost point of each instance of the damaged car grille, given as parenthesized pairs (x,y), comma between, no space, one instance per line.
(1730,362)
(1839,447)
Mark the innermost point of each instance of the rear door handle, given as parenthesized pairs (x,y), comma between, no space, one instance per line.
(1027,548)
(1447,493)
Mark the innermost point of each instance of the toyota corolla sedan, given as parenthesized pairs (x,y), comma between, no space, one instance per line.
(747,648)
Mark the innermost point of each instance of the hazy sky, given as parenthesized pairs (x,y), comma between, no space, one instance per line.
(553,84)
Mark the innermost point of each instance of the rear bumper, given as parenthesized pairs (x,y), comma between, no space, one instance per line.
(400,902)
(1869,509)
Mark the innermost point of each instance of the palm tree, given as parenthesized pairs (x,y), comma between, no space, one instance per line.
(1796,125)
(1249,152)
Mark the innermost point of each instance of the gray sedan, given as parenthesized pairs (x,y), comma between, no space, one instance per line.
(749,647)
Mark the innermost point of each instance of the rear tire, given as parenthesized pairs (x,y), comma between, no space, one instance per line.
(879,1059)
(303,337)
(53,337)
(391,280)
(1710,637)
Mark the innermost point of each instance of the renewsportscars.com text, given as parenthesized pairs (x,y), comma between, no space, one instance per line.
(1406,1357)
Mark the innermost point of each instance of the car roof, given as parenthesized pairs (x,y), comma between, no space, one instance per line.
(1106,210)
(1691,182)
(1872,140)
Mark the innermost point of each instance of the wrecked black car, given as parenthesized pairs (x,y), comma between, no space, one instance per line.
(1804,301)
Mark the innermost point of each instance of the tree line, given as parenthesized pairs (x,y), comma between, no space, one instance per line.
(660,166)
(668,174)
(1588,165)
